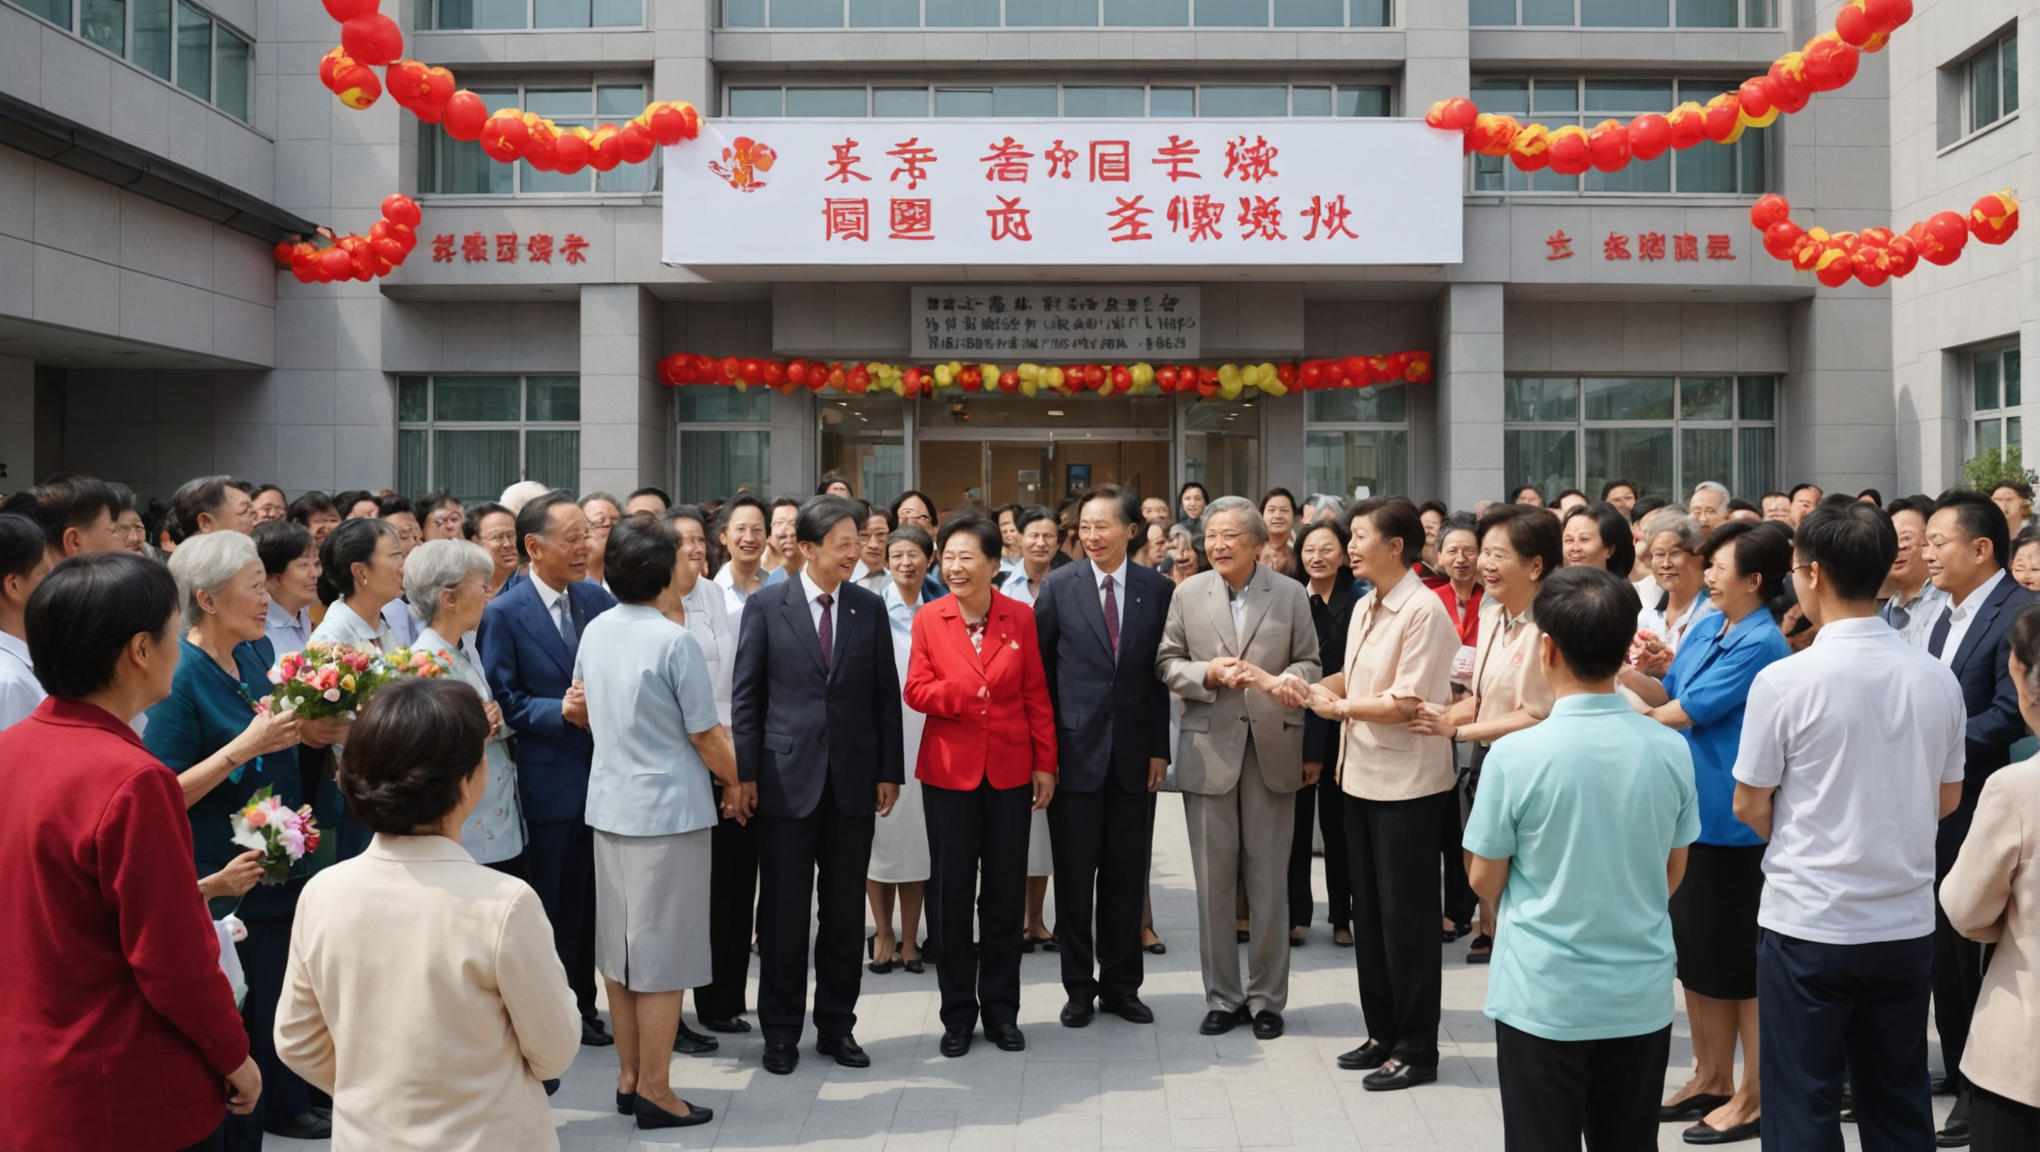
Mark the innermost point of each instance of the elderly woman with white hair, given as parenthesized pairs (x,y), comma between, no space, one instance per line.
(447,583)
(209,731)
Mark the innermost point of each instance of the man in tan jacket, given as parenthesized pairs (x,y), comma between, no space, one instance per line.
(1241,651)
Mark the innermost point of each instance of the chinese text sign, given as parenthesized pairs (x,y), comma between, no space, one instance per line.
(1083,322)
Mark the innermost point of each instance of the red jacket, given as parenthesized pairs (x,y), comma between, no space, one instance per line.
(120,1028)
(1006,737)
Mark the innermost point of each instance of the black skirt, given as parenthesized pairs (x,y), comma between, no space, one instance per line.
(1714,920)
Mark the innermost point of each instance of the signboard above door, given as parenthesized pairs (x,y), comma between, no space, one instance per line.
(1065,193)
(976,322)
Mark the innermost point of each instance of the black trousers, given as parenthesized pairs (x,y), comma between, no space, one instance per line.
(559,862)
(1396,909)
(2000,1125)
(977,850)
(264,955)
(1325,800)
(1100,841)
(1830,1011)
(814,861)
(732,913)
(1557,1092)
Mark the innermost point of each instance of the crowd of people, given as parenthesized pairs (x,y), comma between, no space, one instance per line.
(1775,754)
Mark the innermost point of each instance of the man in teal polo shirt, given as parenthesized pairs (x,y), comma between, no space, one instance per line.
(1581,830)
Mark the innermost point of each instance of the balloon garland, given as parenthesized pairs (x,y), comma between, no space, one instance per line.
(1875,255)
(913,382)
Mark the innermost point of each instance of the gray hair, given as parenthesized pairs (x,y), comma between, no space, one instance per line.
(1687,529)
(1658,516)
(1178,532)
(516,496)
(435,566)
(205,563)
(592,497)
(1715,487)
(1250,516)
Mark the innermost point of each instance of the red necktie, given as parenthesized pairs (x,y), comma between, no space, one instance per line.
(825,631)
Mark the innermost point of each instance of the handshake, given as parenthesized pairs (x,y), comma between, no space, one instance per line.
(1233,672)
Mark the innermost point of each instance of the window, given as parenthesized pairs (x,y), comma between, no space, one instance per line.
(1625,13)
(1666,433)
(476,435)
(1222,444)
(1741,169)
(465,15)
(455,167)
(1044,13)
(725,443)
(196,52)
(1037,101)
(1995,399)
(1357,438)
(1990,83)
(864,438)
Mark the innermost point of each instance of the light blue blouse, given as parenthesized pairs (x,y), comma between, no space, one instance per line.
(648,689)
(343,625)
(495,832)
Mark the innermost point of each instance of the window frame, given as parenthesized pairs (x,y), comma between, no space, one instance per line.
(216,26)
(523,425)
(2008,418)
(1147,86)
(1996,51)
(428,10)
(1327,427)
(1479,168)
(1348,10)
(1743,20)
(432,138)
(1676,425)
(683,427)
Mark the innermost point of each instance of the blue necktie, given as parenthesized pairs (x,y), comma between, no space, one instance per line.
(1938,638)
(567,633)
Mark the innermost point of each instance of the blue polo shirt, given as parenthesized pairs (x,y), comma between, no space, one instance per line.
(1710,677)
(1586,807)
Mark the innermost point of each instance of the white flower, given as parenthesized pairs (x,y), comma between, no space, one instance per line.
(332,695)
(248,837)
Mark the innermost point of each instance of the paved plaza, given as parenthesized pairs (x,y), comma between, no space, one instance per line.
(1112,1085)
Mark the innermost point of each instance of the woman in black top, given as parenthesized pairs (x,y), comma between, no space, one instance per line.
(1321,565)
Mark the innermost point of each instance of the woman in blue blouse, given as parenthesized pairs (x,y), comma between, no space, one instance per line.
(208,731)
(361,572)
(1714,912)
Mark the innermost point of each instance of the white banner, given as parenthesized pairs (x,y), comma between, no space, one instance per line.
(1065,192)
(1082,321)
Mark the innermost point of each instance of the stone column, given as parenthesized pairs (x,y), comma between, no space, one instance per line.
(1470,394)
(626,418)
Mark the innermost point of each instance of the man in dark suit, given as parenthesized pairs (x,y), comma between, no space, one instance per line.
(528,638)
(1966,548)
(815,710)
(1100,621)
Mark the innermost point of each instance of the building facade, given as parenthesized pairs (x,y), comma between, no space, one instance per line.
(152,151)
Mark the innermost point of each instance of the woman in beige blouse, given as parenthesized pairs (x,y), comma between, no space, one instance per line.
(1398,784)
(1519,546)
(1992,896)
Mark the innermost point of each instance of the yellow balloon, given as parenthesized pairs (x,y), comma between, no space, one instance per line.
(1027,386)
(1275,387)
(1229,377)
(943,375)
(1055,377)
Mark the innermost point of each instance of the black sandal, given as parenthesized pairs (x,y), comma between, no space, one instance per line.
(1481,950)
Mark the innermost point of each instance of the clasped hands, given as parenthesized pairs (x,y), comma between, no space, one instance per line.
(1233,672)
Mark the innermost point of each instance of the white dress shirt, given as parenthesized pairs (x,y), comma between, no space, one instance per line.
(735,598)
(1118,590)
(343,625)
(708,619)
(1921,612)
(813,592)
(288,633)
(556,605)
(1238,599)
(20,692)
(1961,616)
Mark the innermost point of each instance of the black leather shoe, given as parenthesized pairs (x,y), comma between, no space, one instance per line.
(1691,1108)
(955,1042)
(688,1042)
(1733,1134)
(1394,1076)
(1078,1014)
(1953,1134)
(1006,1037)
(781,1059)
(307,1126)
(1368,1056)
(593,1035)
(626,1103)
(845,1050)
(1130,1009)
(650,1115)
(1218,1021)
(1267,1025)
(733,1024)
(915,966)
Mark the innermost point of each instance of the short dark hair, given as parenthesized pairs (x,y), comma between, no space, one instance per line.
(1771,494)
(1981,519)
(2025,639)
(433,501)
(1285,493)
(313,503)
(63,501)
(1443,509)
(1516,492)
(1188,485)
(1762,548)
(1460,522)
(1590,616)
(778,502)
(822,488)
(1533,534)
(1738,504)
(639,560)
(665,501)
(472,514)
(1798,488)
(871,510)
(1123,501)
(417,741)
(1394,516)
(1342,573)
(1560,498)
(1614,532)
(22,546)
(85,611)
(344,502)
(741,500)
(1919,503)
(390,506)
(902,498)
(912,534)
(278,542)
(1854,547)
(979,528)
(259,489)
(819,515)
(1644,506)
(671,517)
(1837,500)
(1877,497)
(1013,510)
(353,542)
(536,516)
(1621,482)
(1028,515)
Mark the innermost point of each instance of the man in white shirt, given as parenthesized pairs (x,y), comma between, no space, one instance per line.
(1851,753)
(23,562)
(1912,603)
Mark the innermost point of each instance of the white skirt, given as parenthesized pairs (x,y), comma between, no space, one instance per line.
(651,910)
(899,842)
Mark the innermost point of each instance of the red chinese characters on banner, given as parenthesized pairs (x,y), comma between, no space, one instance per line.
(1009,220)
(474,248)
(1059,156)
(442,249)
(1176,158)
(1650,246)
(1686,247)
(846,219)
(1198,215)
(1007,163)
(504,248)
(914,157)
(1718,248)
(1128,220)
(912,219)
(1111,161)
(1328,216)
(1560,245)
(540,248)
(1616,247)
(574,249)
(842,166)
(1261,218)
(1253,163)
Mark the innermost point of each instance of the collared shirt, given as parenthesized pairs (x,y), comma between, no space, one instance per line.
(1914,618)
(1673,633)
(1400,643)
(1118,579)
(402,625)
(343,625)
(1961,616)
(20,692)
(1857,734)
(648,691)
(495,829)
(734,598)
(288,633)
(557,604)
(813,592)
(1507,676)
(1586,807)
(1237,597)
(708,619)
(1710,677)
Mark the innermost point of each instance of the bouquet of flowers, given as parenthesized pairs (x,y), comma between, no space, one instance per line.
(329,681)
(282,836)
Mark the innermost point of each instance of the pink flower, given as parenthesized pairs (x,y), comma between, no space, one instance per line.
(332,695)
(293,841)
(256,817)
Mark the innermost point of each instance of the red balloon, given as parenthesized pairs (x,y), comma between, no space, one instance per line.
(636,142)
(357,86)
(373,39)
(1788,93)
(398,208)
(283,251)
(389,249)
(1649,135)
(465,115)
(407,82)
(1835,267)
(431,106)
(345,10)
(1724,117)
(1571,154)
(1609,143)
(1852,24)
(1455,115)
(1872,266)
(1781,238)
(1830,64)
(1769,210)
(1688,123)
(503,136)
(668,126)
(337,263)
(1755,97)
(570,152)
(331,63)
(540,139)
(1905,255)
(1994,219)
(605,149)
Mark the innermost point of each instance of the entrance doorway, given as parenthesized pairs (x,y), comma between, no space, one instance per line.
(1038,468)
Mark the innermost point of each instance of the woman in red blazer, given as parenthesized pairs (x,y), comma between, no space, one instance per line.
(987,761)
(122,1034)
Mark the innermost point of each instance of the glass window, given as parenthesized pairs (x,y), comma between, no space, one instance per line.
(1624,13)
(1259,102)
(152,36)
(752,102)
(810,14)
(1546,457)
(1531,399)
(1232,13)
(1742,169)
(1667,434)
(961,13)
(1310,101)
(1341,463)
(1382,404)
(1309,13)
(1171,101)
(1363,100)
(1993,82)
(1117,102)
(1997,393)
(1147,14)
(491,14)
(1369,14)
(722,463)
(1707,398)
(485,14)
(476,435)
(104,22)
(723,405)
(885,13)
(454,167)
(967,102)
(899,102)
(230,56)
(825,102)
(194,52)
(1052,13)
(744,13)
(1492,13)
(57,12)
(863,437)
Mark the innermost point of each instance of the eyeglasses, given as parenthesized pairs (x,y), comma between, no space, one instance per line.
(1225,537)
(498,537)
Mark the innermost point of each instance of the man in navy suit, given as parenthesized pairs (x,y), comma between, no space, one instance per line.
(528,637)
(1101,621)
(815,710)
(1966,548)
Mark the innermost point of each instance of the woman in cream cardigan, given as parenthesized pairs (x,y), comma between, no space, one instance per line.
(423,992)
